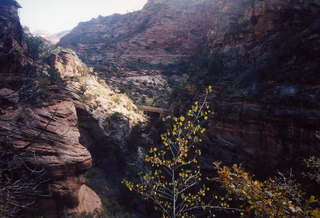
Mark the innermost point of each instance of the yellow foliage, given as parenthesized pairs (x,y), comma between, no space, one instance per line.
(173,182)
(315,213)
(273,198)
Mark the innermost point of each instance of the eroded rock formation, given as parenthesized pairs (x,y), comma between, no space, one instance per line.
(163,33)
(13,50)
(264,62)
(136,48)
(43,129)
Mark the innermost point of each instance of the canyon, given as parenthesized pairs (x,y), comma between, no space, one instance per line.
(262,57)
(76,113)
(42,105)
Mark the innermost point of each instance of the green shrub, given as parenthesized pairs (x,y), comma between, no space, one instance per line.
(38,48)
(149,101)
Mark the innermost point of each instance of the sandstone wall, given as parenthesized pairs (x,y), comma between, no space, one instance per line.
(42,131)
(162,34)
(265,64)
(13,55)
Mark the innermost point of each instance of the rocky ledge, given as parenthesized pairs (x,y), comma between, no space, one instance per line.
(39,133)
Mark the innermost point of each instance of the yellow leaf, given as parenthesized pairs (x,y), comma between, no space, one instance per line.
(182,118)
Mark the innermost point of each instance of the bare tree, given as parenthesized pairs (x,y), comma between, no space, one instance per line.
(21,182)
(22,179)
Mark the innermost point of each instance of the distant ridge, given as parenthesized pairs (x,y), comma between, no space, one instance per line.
(52,38)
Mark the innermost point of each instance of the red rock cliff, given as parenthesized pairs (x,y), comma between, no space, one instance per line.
(41,131)
(264,62)
(163,33)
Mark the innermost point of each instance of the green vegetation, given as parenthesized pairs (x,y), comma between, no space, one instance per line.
(38,48)
(88,215)
(150,101)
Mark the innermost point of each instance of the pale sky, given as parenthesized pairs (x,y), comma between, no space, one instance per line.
(58,15)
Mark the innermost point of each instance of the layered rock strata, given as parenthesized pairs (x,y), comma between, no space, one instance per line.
(265,65)
(39,123)
(139,51)
(264,62)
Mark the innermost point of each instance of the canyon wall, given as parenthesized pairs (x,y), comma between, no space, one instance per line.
(140,52)
(13,55)
(261,56)
(162,34)
(43,143)
(265,64)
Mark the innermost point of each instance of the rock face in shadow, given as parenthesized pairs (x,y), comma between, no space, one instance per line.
(40,121)
(13,50)
(105,121)
(265,64)
(49,135)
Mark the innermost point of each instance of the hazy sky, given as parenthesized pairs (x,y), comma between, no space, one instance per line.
(58,15)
